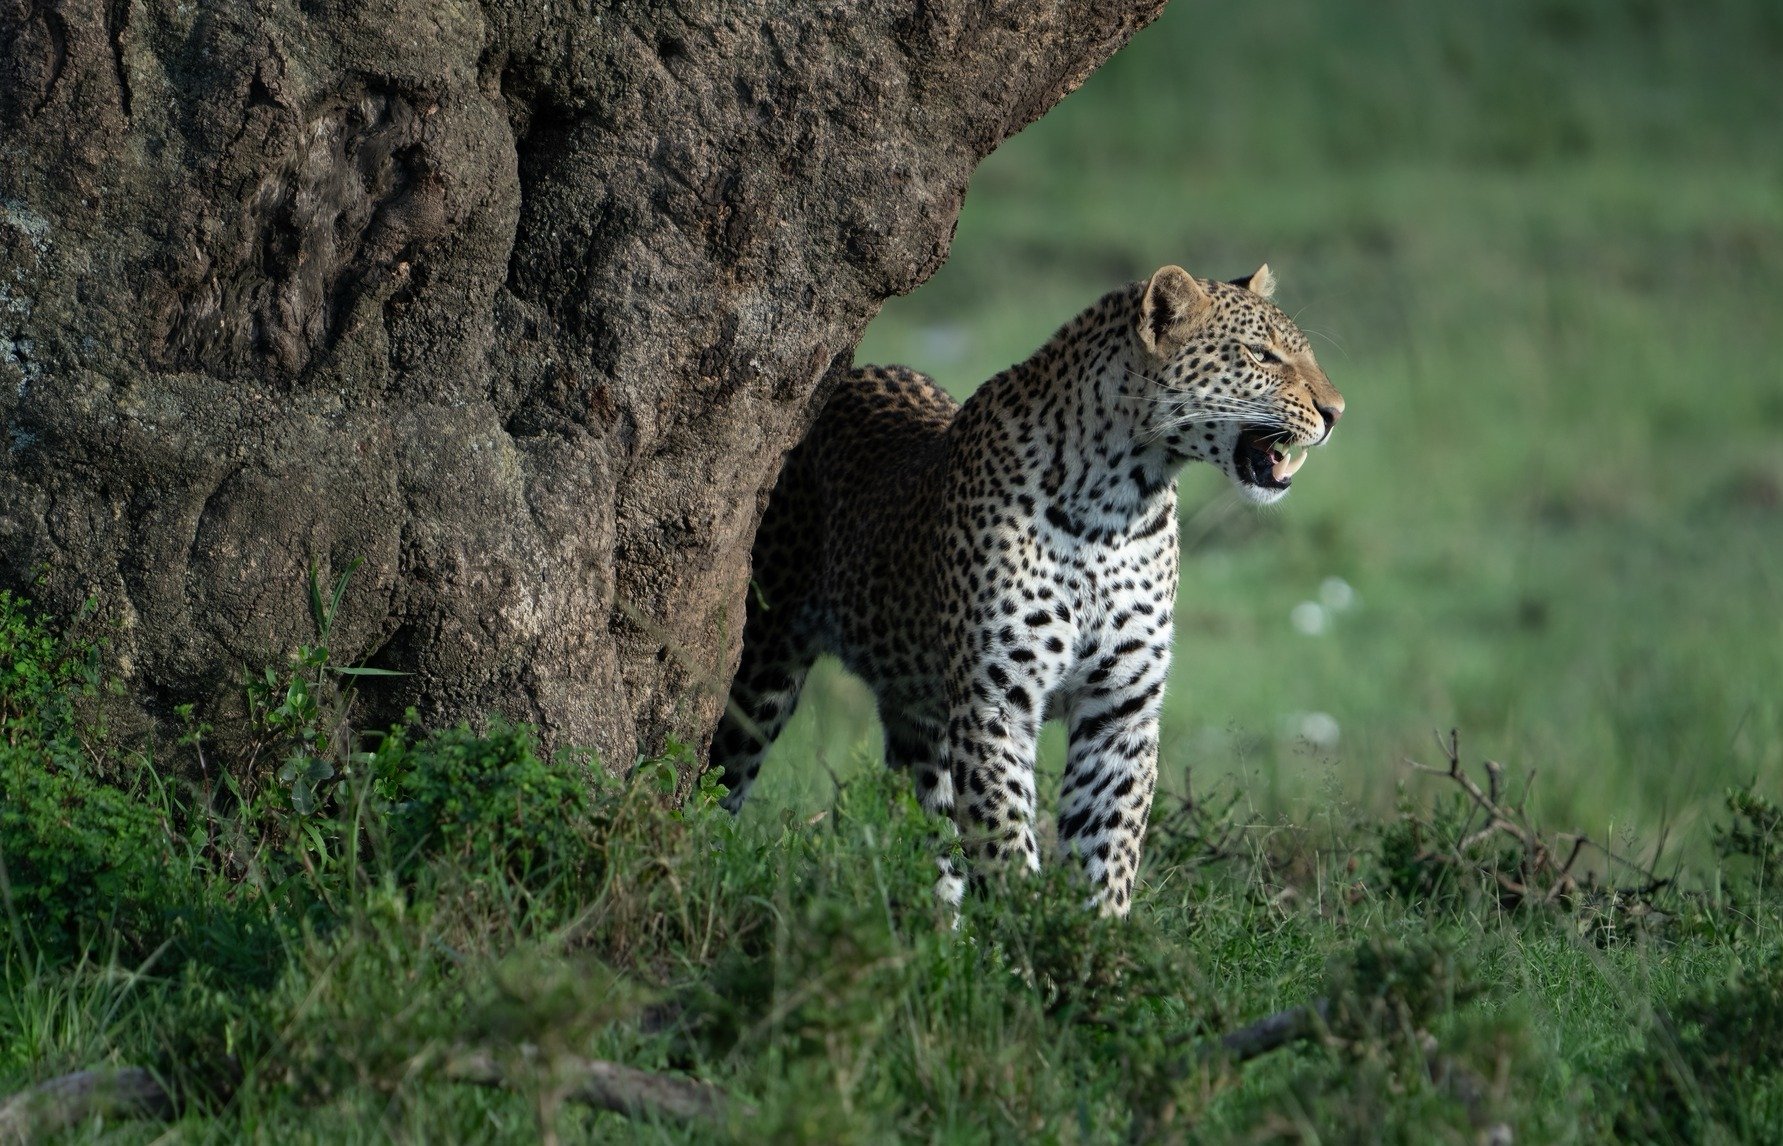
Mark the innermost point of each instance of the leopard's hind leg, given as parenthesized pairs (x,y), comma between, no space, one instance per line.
(920,747)
(780,638)
(762,700)
(916,746)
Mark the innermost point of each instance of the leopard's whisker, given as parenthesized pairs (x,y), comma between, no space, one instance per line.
(1231,402)
(1203,402)
(1328,337)
(1204,418)
(1214,406)
(1262,415)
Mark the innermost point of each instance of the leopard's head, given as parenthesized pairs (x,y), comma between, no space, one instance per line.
(1226,377)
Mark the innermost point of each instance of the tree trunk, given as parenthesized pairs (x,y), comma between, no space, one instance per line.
(519,302)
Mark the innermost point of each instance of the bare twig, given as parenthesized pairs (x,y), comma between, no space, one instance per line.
(1566,868)
(1540,877)
(1203,834)
(61,1103)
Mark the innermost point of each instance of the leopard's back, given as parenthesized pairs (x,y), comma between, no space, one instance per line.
(851,527)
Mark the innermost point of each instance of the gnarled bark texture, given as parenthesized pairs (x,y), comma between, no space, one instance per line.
(519,302)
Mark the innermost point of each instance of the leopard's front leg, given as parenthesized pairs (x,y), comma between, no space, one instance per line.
(991,752)
(1111,767)
(998,679)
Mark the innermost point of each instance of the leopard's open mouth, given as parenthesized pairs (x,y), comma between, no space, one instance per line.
(1264,459)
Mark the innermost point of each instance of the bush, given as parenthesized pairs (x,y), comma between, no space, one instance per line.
(487,799)
(1385,991)
(1713,1069)
(80,858)
(1751,845)
(41,677)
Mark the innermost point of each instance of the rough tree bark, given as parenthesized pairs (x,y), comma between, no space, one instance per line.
(521,302)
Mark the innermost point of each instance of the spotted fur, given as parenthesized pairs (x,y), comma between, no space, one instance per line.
(987,566)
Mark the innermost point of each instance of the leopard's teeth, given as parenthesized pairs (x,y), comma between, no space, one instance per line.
(1286,466)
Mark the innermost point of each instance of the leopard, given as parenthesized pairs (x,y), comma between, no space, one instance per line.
(987,566)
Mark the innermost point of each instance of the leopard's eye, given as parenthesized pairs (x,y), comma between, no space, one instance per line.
(1262,355)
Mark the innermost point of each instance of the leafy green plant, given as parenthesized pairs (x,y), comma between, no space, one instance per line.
(1415,857)
(1751,843)
(83,861)
(1383,993)
(41,678)
(79,858)
(813,939)
(304,714)
(485,798)
(1114,974)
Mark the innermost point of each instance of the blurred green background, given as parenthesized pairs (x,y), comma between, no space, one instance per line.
(1539,247)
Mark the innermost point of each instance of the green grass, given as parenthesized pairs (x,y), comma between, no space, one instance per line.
(300,962)
(1541,245)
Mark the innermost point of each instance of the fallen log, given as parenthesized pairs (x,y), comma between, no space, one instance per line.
(606,1085)
(133,1092)
(67,1101)
(1270,1032)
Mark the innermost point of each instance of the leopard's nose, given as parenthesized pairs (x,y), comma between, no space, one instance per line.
(1331,413)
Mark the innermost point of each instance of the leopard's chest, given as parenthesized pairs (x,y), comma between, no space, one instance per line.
(1118,576)
(1059,573)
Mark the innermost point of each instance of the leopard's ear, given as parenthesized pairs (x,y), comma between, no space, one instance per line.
(1173,306)
(1259,282)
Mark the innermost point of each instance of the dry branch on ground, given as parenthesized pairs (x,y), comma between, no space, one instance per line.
(1544,868)
(132,1092)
